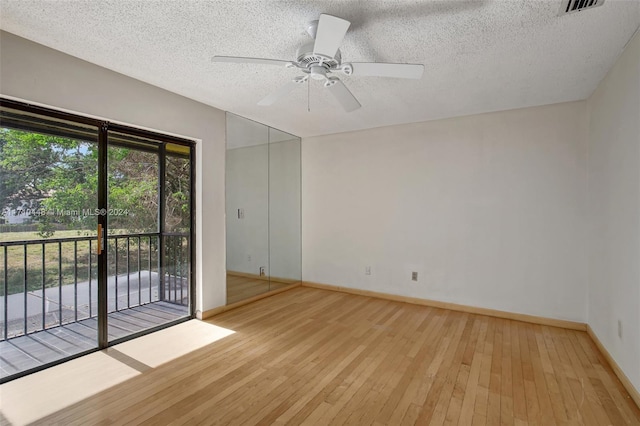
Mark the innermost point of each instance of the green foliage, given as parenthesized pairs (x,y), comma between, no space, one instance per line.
(26,160)
(59,176)
(45,228)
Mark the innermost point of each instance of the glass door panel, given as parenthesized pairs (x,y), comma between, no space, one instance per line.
(177,225)
(48,262)
(146,243)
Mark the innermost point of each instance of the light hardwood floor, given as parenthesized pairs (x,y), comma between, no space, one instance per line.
(241,288)
(319,357)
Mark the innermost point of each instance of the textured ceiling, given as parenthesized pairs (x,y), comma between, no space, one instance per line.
(479,55)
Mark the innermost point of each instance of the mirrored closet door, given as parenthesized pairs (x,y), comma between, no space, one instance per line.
(263,218)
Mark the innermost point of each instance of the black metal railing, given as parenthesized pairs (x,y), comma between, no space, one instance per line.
(175,286)
(53,282)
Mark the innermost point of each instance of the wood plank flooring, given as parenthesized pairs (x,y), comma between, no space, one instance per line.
(241,288)
(309,356)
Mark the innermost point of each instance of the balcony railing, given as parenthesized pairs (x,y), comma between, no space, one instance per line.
(52,282)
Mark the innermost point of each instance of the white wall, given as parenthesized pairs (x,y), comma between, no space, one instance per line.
(488,209)
(614,207)
(248,188)
(35,73)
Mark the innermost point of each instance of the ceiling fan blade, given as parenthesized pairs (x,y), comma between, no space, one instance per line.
(331,30)
(280,93)
(242,60)
(343,95)
(377,69)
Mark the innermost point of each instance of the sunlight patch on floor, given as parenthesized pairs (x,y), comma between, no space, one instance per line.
(165,345)
(38,395)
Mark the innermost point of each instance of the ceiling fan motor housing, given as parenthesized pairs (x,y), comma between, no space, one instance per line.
(306,59)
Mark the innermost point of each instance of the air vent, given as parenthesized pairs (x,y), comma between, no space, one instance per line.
(570,6)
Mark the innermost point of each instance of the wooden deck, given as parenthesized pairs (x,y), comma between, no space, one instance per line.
(33,350)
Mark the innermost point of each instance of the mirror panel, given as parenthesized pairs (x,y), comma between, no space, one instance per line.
(284,209)
(263,183)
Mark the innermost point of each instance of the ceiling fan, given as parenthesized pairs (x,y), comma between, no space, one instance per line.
(321,58)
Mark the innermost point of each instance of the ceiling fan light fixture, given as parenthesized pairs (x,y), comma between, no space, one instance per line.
(318,72)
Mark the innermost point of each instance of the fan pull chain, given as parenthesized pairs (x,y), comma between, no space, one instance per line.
(308,95)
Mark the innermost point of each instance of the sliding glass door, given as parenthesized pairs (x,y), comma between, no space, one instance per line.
(96,235)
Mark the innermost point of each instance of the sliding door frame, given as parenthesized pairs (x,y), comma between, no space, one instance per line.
(103,127)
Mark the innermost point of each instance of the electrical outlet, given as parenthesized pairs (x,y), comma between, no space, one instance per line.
(367,270)
(414,276)
(248,258)
(262,271)
(620,329)
(240,213)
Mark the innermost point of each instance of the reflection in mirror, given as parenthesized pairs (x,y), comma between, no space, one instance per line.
(284,209)
(262,209)
(247,209)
